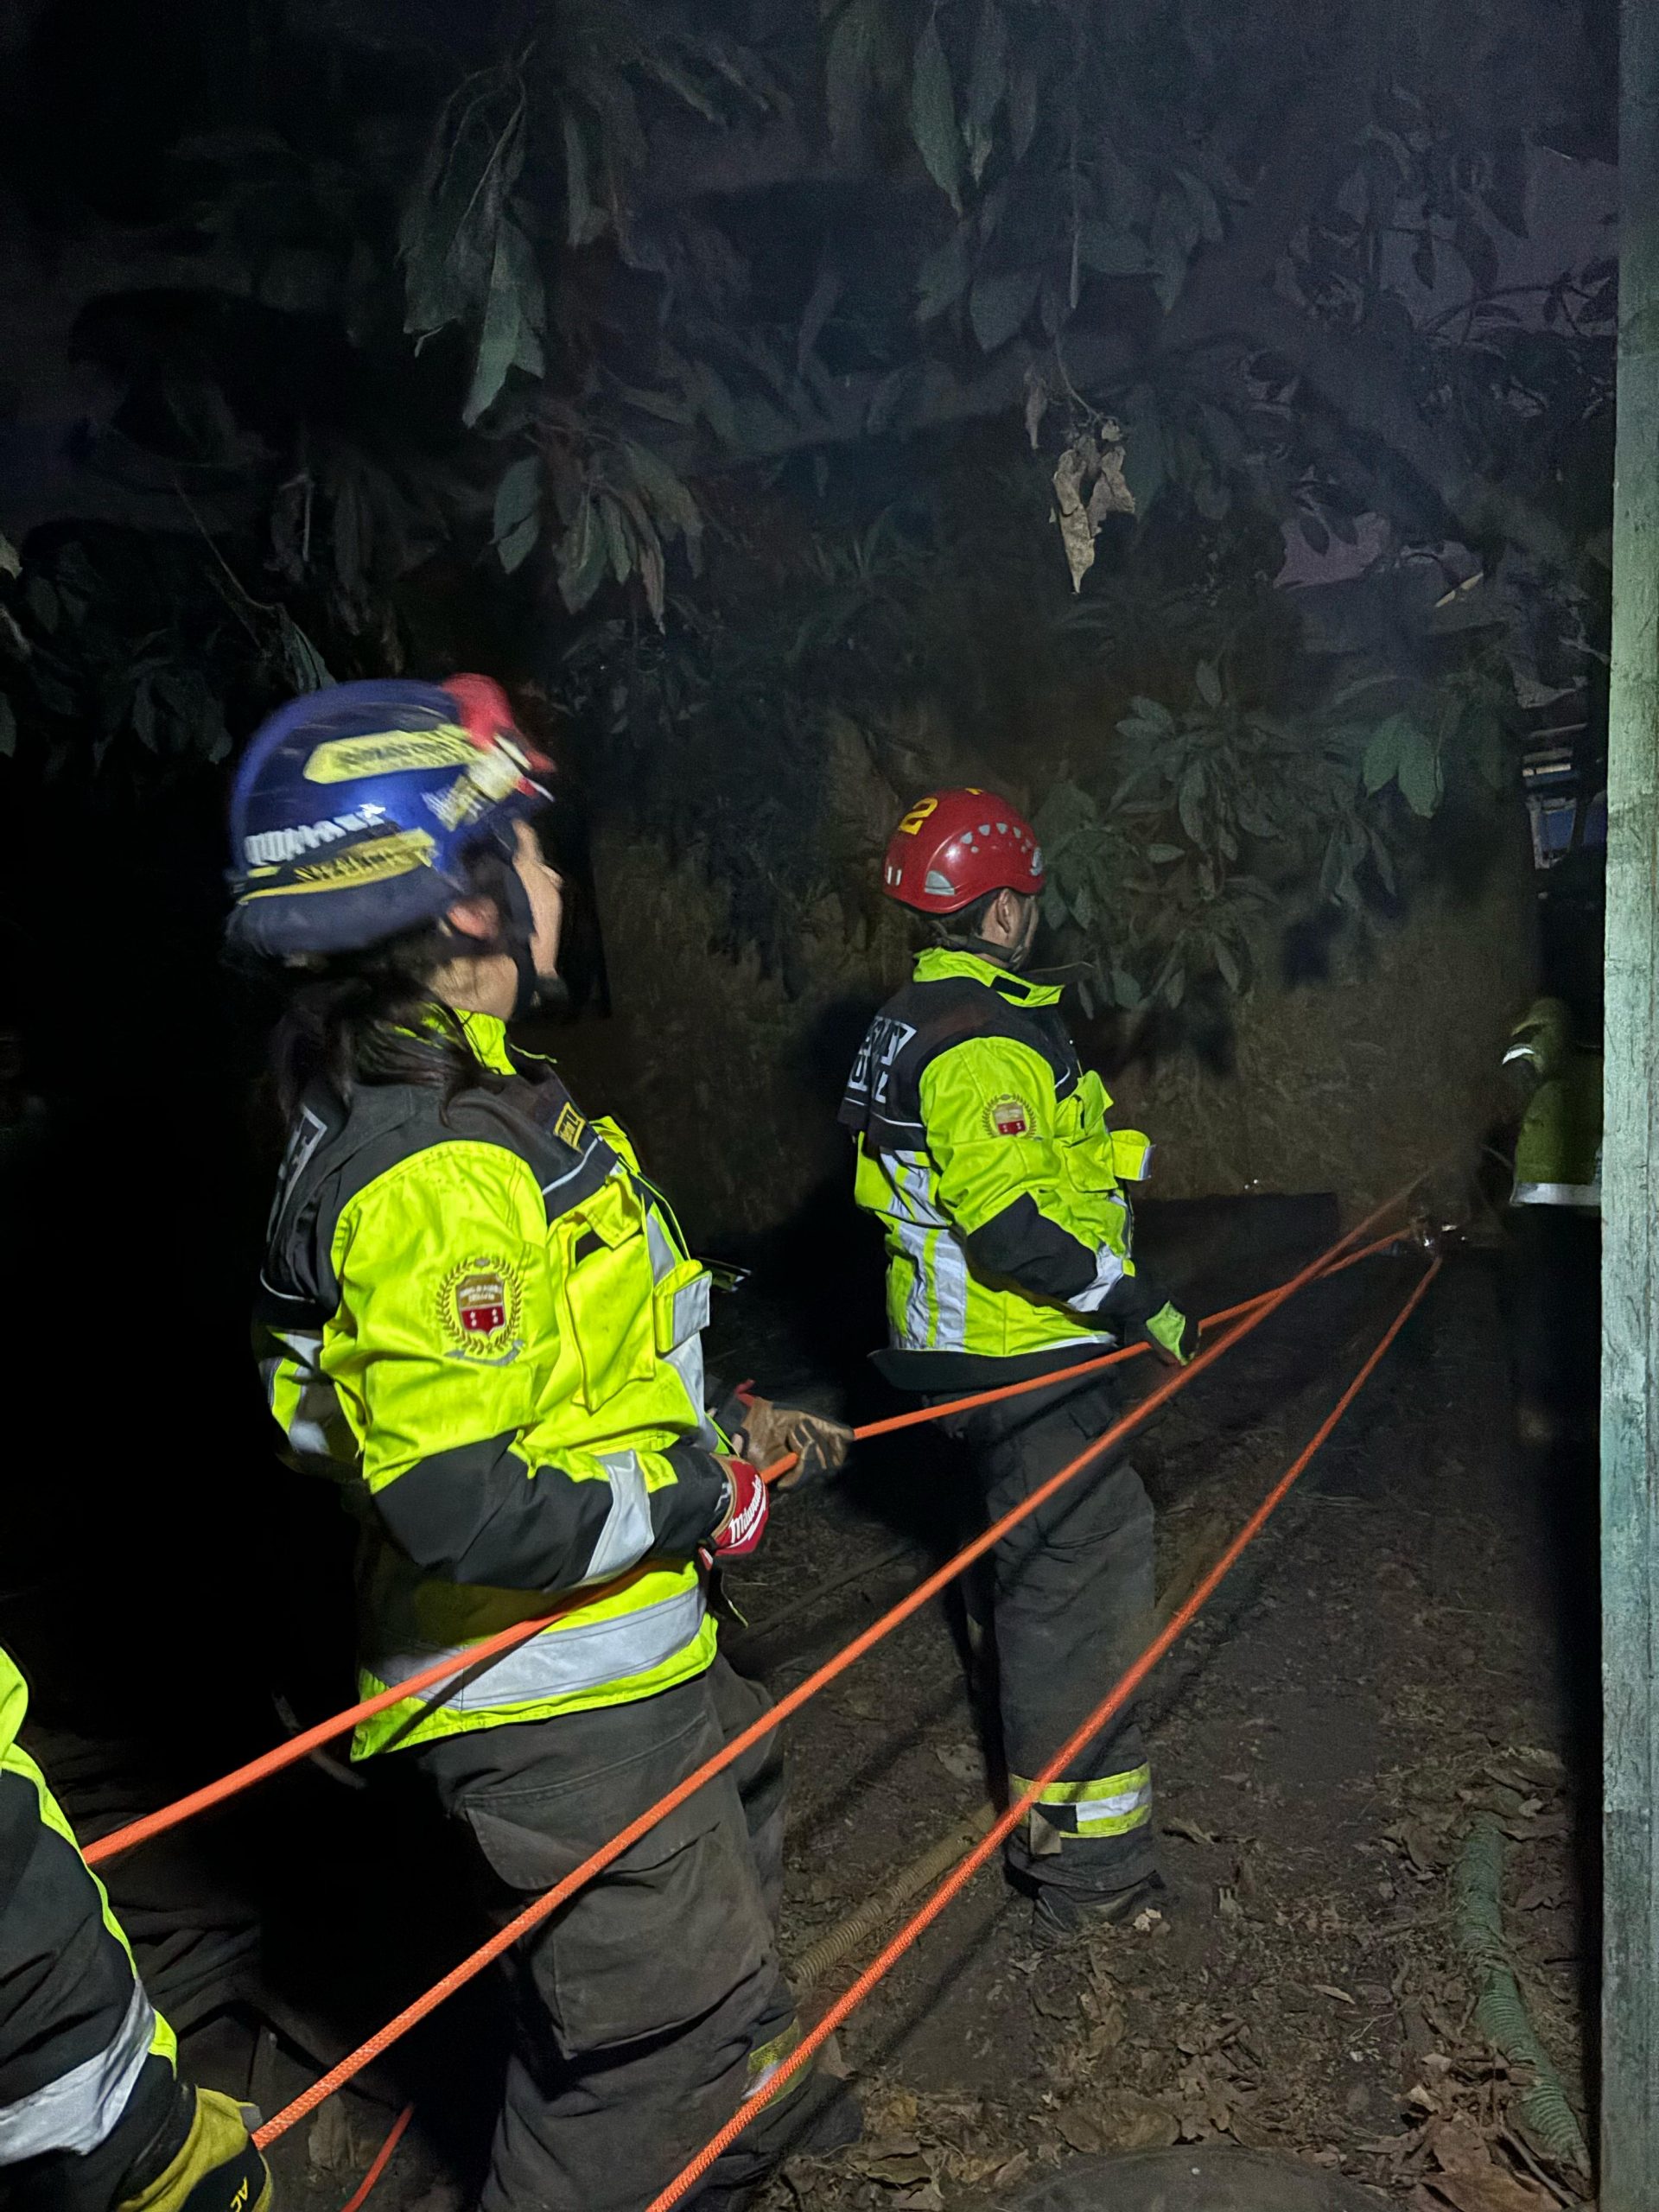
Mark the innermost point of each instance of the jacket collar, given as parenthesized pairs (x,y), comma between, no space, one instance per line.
(940,961)
(486,1036)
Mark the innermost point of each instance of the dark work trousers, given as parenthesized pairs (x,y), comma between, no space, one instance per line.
(649,2004)
(1071,1604)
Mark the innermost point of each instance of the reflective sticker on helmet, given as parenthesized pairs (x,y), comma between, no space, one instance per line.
(268,847)
(341,760)
(375,862)
(479,1308)
(1008,1117)
(918,814)
(940,885)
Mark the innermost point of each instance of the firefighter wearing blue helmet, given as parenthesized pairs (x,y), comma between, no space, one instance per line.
(480,1320)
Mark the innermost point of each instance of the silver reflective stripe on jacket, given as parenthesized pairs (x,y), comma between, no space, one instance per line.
(1556,1194)
(628,1534)
(1108,1273)
(561,1662)
(77,2111)
(690,1318)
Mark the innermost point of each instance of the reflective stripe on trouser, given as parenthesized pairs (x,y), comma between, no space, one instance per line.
(1113,1805)
(1071,1602)
(652,2002)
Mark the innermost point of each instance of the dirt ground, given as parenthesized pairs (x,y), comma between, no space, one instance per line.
(1410,1647)
(1399,1654)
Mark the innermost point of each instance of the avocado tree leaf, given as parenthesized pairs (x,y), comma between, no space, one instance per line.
(1382,759)
(933,114)
(671,501)
(583,221)
(1419,772)
(988,85)
(517,519)
(1111,251)
(998,305)
(510,337)
(447,238)
(847,68)
(942,278)
(583,552)
(1025,106)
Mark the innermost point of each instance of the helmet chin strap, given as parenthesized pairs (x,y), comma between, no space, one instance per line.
(534,989)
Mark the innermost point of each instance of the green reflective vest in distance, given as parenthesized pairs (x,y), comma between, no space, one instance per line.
(984,1152)
(1558,1150)
(482,1319)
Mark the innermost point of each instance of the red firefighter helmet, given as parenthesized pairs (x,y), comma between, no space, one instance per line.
(955,846)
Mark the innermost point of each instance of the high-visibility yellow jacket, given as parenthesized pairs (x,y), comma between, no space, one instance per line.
(1558,1150)
(984,1152)
(482,1319)
(79,2038)
(89,2095)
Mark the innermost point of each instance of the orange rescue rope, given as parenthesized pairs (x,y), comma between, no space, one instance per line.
(490,1648)
(963,1872)
(923,1593)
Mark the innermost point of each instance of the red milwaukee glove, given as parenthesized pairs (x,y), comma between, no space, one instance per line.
(746,1512)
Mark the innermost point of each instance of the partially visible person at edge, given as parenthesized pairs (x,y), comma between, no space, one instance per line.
(1554,1225)
(984,1152)
(94,2116)
(480,1319)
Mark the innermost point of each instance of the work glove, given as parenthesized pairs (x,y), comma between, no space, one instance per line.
(767,1431)
(1137,1308)
(746,1507)
(1172,1335)
(218,2170)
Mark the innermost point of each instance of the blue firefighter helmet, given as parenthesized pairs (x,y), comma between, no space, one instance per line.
(356,810)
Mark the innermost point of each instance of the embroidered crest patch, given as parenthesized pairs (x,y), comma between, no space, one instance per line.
(1007,1118)
(479,1307)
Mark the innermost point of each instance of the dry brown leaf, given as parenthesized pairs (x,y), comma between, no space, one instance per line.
(1077,532)
(925,2197)
(1469,2177)
(1112,495)
(1078,2125)
(1493,2191)
(1545,1895)
(329,2147)
(1330,1989)
(1190,1832)
(1129,2122)
(1457,2144)
(897,2160)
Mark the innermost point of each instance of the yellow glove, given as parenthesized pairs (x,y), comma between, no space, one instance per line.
(218,2170)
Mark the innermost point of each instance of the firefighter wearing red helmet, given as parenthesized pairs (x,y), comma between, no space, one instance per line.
(984,1151)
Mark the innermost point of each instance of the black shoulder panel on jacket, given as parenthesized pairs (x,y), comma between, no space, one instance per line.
(883,1098)
(334,1152)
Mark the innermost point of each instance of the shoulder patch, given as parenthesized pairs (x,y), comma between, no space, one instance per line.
(571,1128)
(1008,1117)
(480,1305)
